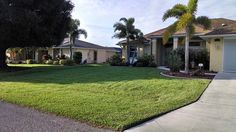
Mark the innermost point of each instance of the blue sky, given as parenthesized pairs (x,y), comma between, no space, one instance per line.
(98,16)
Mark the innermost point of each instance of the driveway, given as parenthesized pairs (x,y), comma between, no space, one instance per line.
(14,118)
(214,112)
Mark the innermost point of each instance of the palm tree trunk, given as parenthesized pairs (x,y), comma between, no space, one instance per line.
(70,51)
(187,51)
(128,49)
(3,64)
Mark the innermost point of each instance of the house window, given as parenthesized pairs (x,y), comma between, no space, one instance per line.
(195,44)
(133,51)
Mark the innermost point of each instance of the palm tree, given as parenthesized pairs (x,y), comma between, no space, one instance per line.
(125,29)
(186,19)
(75,33)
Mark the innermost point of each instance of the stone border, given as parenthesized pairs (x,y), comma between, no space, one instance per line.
(165,75)
(176,77)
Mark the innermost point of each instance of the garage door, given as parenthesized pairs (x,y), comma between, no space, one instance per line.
(229,55)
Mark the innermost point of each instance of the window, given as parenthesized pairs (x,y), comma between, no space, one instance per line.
(195,44)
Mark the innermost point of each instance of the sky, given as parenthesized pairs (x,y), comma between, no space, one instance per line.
(97,17)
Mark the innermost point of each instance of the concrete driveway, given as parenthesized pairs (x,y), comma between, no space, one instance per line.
(214,112)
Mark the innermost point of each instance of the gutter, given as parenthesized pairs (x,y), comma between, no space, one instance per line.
(222,35)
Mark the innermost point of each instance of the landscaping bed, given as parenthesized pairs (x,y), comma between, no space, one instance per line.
(184,75)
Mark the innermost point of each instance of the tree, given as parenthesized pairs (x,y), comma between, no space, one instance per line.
(28,23)
(75,33)
(125,29)
(186,19)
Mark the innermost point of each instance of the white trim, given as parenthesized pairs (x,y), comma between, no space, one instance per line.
(182,35)
(213,36)
(223,61)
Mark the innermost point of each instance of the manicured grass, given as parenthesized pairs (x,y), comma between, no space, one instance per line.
(112,97)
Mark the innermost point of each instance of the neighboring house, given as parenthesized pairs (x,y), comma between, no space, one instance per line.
(220,41)
(91,53)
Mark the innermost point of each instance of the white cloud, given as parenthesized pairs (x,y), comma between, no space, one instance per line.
(98,16)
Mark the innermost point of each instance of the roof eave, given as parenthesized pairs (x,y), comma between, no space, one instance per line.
(218,35)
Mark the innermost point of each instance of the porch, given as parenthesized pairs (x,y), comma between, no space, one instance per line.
(161,51)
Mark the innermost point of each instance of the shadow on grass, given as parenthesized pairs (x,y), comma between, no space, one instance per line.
(81,74)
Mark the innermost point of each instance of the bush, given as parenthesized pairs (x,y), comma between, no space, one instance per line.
(46,57)
(145,61)
(29,61)
(77,57)
(174,61)
(139,64)
(152,64)
(66,62)
(49,62)
(202,56)
(55,62)
(197,56)
(116,60)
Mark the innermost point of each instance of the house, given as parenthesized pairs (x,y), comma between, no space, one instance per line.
(220,41)
(91,53)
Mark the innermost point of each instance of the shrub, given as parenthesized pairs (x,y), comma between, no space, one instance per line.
(174,61)
(152,64)
(197,56)
(46,57)
(62,62)
(116,60)
(29,61)
(144,61)
(55,62)
(66,62)
(139,64)
(62,57)
(202,56)
(49,62)
(77,57)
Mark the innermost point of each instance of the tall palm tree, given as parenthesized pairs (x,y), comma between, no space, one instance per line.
(125,29)
(186,19)
(75,33)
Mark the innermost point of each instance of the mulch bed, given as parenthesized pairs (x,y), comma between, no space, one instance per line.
(179,74)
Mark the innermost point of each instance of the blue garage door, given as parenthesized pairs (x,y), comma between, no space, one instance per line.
(229,55)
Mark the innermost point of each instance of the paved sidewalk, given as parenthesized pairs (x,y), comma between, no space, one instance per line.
(14,118)
(214,112)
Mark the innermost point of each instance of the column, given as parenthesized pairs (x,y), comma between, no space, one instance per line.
(176,41)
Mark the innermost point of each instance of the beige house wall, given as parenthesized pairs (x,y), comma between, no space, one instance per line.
(101,56)
(216,54)
(124,52)
(88,54)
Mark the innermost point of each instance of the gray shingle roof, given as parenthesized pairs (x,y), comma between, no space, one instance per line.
(83,44)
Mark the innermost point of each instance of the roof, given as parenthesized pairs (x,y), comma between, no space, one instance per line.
(219,26)
(84,44)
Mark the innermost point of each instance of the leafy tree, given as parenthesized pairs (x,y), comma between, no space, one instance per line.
(186,19)
(125,29)
(75,33)
(28,23)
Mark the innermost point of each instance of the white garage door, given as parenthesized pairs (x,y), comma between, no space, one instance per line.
(229,55)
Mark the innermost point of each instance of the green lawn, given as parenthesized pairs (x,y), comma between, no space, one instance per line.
(104,96)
